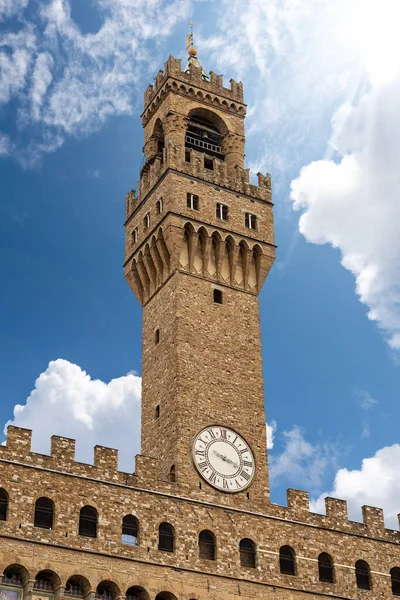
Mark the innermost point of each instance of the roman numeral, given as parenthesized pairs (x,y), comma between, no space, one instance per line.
(243,451)
(245,475)
(237,484)
(202,466)
(234,440)
(212,478)
(225,484)
(211,434)
(248,463)
(223,434)
(200,452)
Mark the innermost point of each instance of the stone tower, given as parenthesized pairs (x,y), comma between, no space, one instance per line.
(199,245)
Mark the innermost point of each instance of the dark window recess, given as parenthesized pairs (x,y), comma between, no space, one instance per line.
(207,545)
(287,560)
(166,537)
(44,513)
(130,530)
(12,577)
(208,163)
(3,504)
(250,221)
(74,588)
(157,336)
(395,577)
(104,591)
(217,296)
(221,212)
(146,221)
(88,522)
(192,201)
(187,156)
(159,206)
(362,575)
(136,593)
(157,411)
(247,549)
(325,568)
(44,581)
(172,474)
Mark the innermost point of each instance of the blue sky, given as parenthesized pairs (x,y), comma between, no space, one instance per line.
(321,92)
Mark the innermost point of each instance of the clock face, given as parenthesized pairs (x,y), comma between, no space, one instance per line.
(223,458)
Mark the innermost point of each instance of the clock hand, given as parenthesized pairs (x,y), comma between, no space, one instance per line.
(226,459)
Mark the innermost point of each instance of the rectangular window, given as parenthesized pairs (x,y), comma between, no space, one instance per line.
(217,296)
(250,221)
(222,212)
(192,201)
(135,235)
(187,156)
(157,336)
(146,221)
(159,206)
(208,163)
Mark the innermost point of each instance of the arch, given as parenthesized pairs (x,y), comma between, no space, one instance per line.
(174,85)
(216,100)
(77,586)
(395,580)
(363,575)
(137,593)
(130,530)
(254,269)
(241,110)
(208,97)
(247,550)
(158,136)
(209,118)
(214,254)
(172,474)
(107,590)
(3,504)
(166,537)
(325,568)
(200,95)
(224,104)
(207,544)
(287,560)
(47,580)
(166,596)
(88,518)
(182,88)
(15,575)
(44,513)
(191,91)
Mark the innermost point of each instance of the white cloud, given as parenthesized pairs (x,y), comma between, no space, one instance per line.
(9,8)
(5,144)
(376,483)
(302,463)
(67,402)
(364,399)
(271,430)
(41,79)
(16,51)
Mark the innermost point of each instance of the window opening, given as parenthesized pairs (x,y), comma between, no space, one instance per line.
(217,296)
(187,156)
(247,549)
(250,221)
(44,512)
(286,560)
(157,336)
(103,592)
(157,411)
(204,136)
(395,577)
(192,201)
(88,522)
(325,568)
(3,504)
(166,537)
(74,588)
(146,221)
(44,581)
(221,211)
(12,577)
(135,235)
(159,206)
(362,575)
(130,530)
(208,163)
(207,545)
(172,474)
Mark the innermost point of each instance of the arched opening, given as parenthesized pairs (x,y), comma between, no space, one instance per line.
(77,587)
(287,562)
(3,504)
(137,593)
(172,474)
(363,577)
(44,513)
(15,575)
(325,568)
(88,522)
(205,132)
(207,545)
(107,590)
(130,530)
(166,537)
(395,578)
(47,581)
(158,135)
(166,596)
(247,549)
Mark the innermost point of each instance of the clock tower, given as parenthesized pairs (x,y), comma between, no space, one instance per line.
(199,246)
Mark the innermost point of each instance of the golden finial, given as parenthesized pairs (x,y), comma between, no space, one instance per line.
(189,42)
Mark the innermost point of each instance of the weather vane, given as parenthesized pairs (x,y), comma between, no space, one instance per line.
(189,40)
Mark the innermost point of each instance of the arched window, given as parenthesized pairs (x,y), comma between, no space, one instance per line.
(88,522)
(287,562)
(3,504)
(363,575)
(44,513)
(77,587)
(130,527)
(395,577)
(107,590)
(137,593)
(15,575)
(166,537)
(207,545)
(325,567)
(47,581)
(172,474)
(205,133)
(247,549)
(166,596)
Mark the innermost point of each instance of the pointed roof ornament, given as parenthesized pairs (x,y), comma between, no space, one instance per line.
(193,60)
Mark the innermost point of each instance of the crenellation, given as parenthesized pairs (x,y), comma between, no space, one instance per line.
(373,519)
(298,502)
(18,442)
(106,461)
(336,512)
(130,203)
(62,450)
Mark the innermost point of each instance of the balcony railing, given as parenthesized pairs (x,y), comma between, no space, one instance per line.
(192,141)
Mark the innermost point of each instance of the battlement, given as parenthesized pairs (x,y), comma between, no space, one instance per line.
(173,68)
